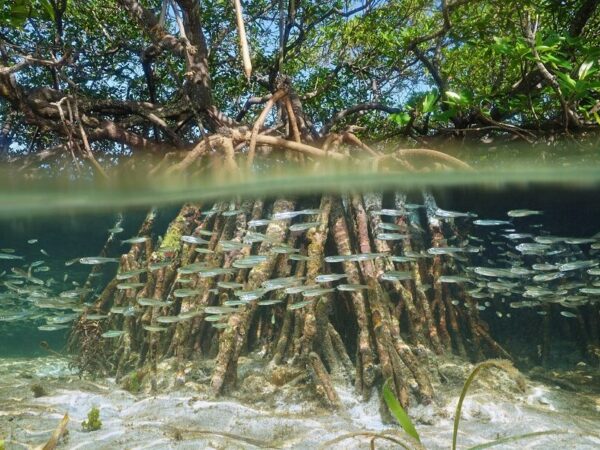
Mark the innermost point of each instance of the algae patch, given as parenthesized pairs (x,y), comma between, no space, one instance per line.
(93,422)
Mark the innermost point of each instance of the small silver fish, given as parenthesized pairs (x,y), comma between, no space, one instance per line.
(154,328)
(231,213)
(444,214)
(122,286)
(135,240)
(394,275)
(112,334)
(93,260)
(9,256)
(523,213)
(168,319)
(259,223)
(453,279)
(299,305)
(152,302)
(391,236)
(268,302)
(575,265)
(490,223)
(352,287)
(329,277)
(194,240)
(179,293)
(304,226)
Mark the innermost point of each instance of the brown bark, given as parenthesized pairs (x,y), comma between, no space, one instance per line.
(365,367)
(234,337)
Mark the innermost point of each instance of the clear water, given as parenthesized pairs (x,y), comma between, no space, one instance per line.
(70,220)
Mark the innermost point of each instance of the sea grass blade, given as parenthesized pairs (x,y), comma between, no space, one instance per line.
(398,412)
(517,438)
(500,364)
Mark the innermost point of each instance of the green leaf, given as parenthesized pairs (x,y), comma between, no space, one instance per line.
(47,8)
(597,117)
(522,49)
(428,102)
(458,100)
(453,95)
(584,69)
(502,45)
(554,59)
(400,118)
(443,116)
(567,80)
(548,58)
(396,409)
(19,12)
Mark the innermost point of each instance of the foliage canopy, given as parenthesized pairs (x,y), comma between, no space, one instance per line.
(157,75)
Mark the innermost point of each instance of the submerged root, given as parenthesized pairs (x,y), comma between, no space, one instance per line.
(365,334)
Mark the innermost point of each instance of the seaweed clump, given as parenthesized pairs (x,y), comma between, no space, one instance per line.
(133,383)
(93,422)
(38,390)
(91,357)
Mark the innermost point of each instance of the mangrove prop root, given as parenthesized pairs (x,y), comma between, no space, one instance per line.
(260,121)
(365,367)
(389,360)
(408,225)
(234,337)
(361,336)
(322,380)
(292,120)
(373,202)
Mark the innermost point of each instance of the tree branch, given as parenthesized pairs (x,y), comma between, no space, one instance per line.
(355,109)
(29,60)
(249,103)
(582,16)
(530,31)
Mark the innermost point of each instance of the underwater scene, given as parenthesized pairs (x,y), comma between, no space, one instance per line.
(308,320)
(296,224)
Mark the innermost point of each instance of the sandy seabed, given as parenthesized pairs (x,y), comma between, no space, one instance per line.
(273,417)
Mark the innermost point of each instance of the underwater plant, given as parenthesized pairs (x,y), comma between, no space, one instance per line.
(93,422)
(38,390)
(497,363)
(409,428)
(398,411)
(133,382)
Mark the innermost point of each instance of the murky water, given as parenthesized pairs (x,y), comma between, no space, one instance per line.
(540,304)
